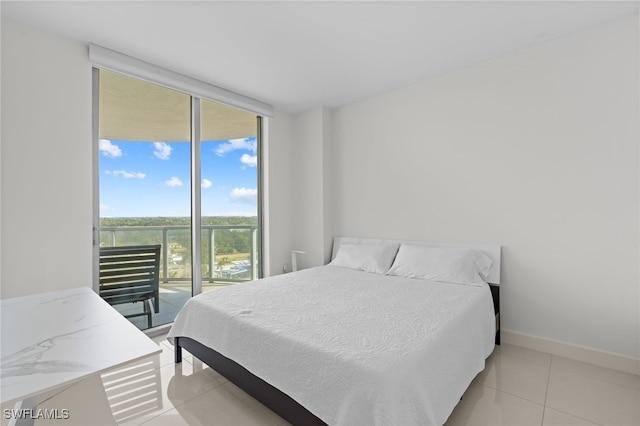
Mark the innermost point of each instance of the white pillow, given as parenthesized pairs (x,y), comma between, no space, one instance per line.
(368,257)
(454,265)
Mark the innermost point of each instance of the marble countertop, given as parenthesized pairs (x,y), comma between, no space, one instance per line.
(57,338)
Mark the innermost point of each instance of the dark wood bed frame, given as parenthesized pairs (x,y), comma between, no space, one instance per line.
(273,398)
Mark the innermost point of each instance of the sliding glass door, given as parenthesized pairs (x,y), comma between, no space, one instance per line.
(183,173)
(229,195)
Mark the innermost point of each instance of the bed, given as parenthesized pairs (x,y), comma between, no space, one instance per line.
(383,334)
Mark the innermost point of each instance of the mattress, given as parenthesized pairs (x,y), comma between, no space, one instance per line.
(354,348)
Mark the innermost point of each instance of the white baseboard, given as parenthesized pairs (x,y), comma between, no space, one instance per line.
(580,353)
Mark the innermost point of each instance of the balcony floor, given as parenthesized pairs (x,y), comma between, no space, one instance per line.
(173,296)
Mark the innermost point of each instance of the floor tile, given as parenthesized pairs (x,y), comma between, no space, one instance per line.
(596,372)
(169,418)
(160,338)
(176,384)
(187,381)
(523,353)
(557,418)
(224,405)
(281,422)
(515,375)
(591,399)
(482,405)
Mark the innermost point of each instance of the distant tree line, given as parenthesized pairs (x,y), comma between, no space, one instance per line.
(184,221)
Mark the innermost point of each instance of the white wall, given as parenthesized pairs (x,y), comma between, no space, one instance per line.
(46,162)
(47,166)
(279,155)
(537,151)
(312,224)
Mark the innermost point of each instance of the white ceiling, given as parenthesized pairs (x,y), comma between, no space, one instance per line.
(299,55)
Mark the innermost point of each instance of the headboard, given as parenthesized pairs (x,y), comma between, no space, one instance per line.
(493,251)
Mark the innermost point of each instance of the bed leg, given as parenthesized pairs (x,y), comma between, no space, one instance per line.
(177,350)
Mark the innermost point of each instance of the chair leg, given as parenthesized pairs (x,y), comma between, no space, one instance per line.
(147,310)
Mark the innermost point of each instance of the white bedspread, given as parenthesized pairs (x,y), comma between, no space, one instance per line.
(354,348)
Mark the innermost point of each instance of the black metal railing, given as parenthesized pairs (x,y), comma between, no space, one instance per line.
(237,261)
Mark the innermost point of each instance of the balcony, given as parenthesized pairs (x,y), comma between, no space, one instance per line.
(230,255)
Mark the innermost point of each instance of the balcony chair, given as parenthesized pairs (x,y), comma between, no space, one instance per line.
(130,274)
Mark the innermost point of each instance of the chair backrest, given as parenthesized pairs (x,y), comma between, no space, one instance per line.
(129,273)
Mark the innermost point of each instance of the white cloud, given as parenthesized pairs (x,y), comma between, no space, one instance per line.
(125,174)
(233,144)
(162,150)
(249,160)
(108,149)
(206,183)
(174,181)
(104,207)
(245,195)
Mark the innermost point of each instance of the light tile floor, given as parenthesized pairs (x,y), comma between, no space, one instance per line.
(518,387)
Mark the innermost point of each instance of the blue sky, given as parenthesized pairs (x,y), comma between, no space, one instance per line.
(148,179)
